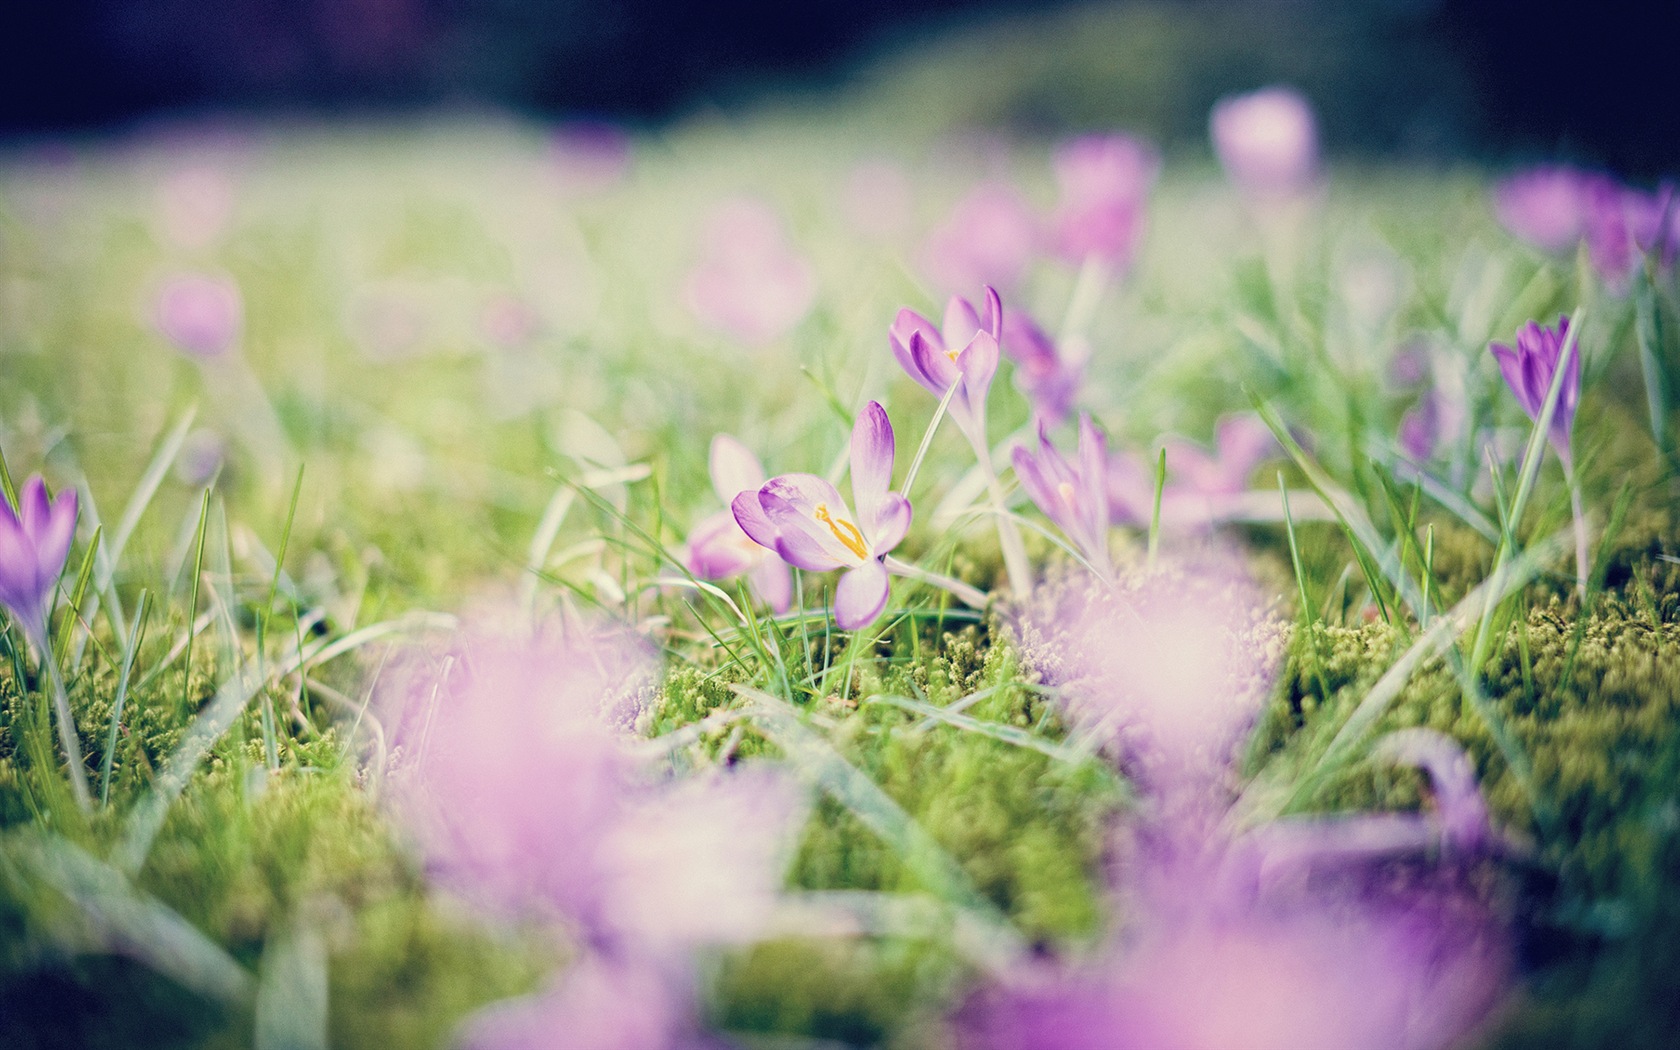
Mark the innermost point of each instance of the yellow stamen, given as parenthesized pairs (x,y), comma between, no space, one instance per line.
(1065,490)
(844,531)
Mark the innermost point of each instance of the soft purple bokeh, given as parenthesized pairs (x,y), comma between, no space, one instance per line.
(1361,932)
(34,544)
(1529,369)
(804,519)
(750,283)
(1201,487)
(1555,207)
(1169,668)
(597,1004)
(508,321)
(1050,376)
(1267,141)
(1105,182)
(964,350)
(991,237)
(1073,495)
(719,549)
(201,314)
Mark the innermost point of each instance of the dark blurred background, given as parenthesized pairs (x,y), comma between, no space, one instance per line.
(1491,80)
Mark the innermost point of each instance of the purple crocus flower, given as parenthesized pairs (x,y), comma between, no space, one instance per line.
(1267,141)
(803,518)
(1105,182)
(1201,487)
(200,313)
(1544,206)
(1169,668)
(597,1004)
(964,351)
(1049,376)
(34,544)
(718,548)
(1072,495)
(1529,369)
(750,283)
(990,238)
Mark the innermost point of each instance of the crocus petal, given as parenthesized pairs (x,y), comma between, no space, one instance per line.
(734,468)
(906,328)
(772,581)
(801,539)
(1511,367)
(52,543)
(717,549)
(860,596)
(933,368)
(890,523)
(872,459)
(993,321)
(1032,474)
(33,507)
(961,322)
(978,361)
(749,514)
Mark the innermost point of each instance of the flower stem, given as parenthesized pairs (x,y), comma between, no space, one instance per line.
(1579,514)
(973,597)
(1009,537)
(66,726)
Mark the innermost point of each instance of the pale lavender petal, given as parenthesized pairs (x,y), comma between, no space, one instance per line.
(961,322)
(718,548)
(1033,473)
(860,596)
(806,492)
(52,544)
(733,835)
(872,459)
(934,367)
(749,514)
(33,507)
(596,1005)
(978,362)
(734,468)
(891,522)
(993,321)
(772,581)
(802,539)
(1244,442)
(906,329)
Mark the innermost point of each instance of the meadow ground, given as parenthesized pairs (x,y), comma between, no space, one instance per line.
(342,405)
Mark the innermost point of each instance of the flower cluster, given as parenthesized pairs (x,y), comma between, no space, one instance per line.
(518,781)
(1557,207)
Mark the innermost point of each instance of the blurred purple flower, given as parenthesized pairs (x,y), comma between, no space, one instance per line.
(1556,207)
(1267,141)
(1049,377)
(1529,369)
(749,283)
(517,775)
(200,313)
(803,519)
(1169,667)
(1105,182)
(990,238)
(34,544)
(1544,206)
(1201,487)
(507,320)
(1073,496)
(965,351)
(597,1004)
(1417,973)
(718,548)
